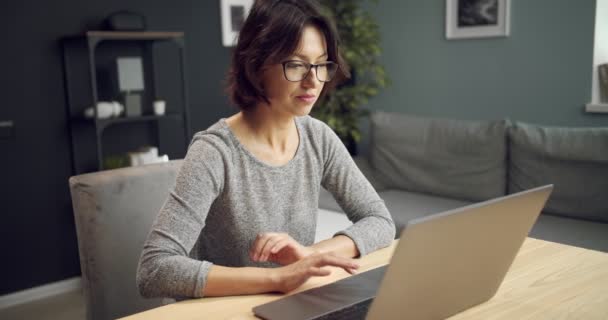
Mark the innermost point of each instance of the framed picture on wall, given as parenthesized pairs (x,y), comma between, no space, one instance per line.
(477,18)
(233,14)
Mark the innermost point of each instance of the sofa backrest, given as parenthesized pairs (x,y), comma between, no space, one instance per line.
(575,160)
(114,211)
(451,158)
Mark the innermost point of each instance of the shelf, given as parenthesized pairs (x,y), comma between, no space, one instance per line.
(134,35)
(97,36)
(104,123)
(596,108)
(83,60)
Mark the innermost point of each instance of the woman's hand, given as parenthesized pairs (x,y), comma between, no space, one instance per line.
(294,275)
(279,248)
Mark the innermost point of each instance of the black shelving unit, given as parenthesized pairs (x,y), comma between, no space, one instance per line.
(83,89)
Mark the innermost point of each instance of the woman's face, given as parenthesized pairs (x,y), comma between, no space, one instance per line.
(297,98)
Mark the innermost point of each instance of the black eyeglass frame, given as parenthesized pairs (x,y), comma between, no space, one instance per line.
(310,66)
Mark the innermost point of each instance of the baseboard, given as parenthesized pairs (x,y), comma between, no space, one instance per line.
(44,291)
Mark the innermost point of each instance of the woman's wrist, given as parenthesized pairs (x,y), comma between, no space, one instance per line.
(225,281)
(340,245)
(310,251)
(275,279)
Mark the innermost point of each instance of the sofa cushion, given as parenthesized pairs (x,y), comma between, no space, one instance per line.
(329,223)
(405,206)
(450,158)
(402,205)
(574,232)
(575,160)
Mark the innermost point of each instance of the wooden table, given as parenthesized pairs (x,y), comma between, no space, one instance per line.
(546,281)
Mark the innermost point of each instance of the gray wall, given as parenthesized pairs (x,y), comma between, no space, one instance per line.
(541,73)
(37,235)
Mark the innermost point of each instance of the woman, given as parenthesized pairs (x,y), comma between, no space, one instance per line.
(246,196)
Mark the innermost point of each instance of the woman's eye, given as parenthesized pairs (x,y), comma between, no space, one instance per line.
(295,65)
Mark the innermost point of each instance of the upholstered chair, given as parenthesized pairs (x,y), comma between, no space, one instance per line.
(114,211)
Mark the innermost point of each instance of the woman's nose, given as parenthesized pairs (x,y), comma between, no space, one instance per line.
(311,80)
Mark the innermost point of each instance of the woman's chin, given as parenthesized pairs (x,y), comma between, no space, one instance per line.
(303,110)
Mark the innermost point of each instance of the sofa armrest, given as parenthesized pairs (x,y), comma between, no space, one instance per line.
(574,160)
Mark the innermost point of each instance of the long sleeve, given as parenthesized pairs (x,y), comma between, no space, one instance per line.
(165,269)
(373,226)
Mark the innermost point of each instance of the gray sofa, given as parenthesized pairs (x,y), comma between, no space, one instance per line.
(421,166)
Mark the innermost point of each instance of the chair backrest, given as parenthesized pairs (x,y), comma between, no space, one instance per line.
(114,211)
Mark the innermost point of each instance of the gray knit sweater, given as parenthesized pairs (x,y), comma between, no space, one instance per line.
(224,196)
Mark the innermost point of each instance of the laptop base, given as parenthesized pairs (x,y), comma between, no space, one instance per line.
(348,298)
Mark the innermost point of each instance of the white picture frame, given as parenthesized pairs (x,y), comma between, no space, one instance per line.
(130,74)
(233,14)
(477,18)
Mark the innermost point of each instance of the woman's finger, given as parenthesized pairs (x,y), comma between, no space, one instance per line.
(259,243)
(351,270)
(335,261)
(279,245)
(266,250)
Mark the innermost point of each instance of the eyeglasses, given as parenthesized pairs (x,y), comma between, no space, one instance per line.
(296,70)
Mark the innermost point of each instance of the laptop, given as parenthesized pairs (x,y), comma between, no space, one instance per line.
(444,264)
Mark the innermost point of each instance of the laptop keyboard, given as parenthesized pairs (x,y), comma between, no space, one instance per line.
(354,312)
(349,298)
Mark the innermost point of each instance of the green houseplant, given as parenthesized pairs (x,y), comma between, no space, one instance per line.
(360,45)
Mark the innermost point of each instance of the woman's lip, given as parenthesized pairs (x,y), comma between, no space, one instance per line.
(307,98)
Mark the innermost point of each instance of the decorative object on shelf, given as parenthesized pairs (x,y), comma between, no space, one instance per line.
(125,21)
(477,18)
(105,109)
(146,155)
(603,79)
(133,104)
(130,81)
(115,161)
(233,13)
(159,107)
(360,45)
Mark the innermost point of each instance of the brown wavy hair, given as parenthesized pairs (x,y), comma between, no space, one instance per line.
(271,33)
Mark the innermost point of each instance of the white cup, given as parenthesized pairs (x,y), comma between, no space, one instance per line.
(159,107)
